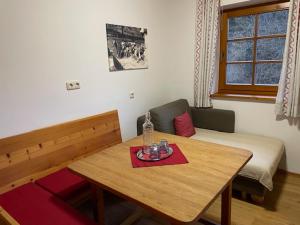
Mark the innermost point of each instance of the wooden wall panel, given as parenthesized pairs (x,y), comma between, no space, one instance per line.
(26,157)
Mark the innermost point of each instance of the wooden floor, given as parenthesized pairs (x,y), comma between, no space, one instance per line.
(281,207)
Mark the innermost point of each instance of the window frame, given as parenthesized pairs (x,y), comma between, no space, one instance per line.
(252,89)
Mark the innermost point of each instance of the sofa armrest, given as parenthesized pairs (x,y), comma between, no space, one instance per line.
(139,124)
(214,119)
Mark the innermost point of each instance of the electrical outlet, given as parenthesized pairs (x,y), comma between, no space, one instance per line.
(131,95)
(72,85)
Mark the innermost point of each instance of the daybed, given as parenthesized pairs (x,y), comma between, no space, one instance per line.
(217,126)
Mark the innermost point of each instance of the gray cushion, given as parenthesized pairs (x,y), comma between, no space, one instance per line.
(163,116)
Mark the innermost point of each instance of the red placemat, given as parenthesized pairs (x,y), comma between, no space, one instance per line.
(176,158)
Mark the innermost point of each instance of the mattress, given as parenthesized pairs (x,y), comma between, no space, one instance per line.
(267,152)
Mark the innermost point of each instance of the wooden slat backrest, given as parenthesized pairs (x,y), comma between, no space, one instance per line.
(28,156)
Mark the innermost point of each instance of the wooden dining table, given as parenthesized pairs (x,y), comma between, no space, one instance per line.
(179,193)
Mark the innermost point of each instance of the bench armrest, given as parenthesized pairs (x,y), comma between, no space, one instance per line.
(6,219)
(214,119)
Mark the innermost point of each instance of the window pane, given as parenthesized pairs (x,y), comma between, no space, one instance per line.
(267,73)
(239,73)
(239,27)
(240,51)
(270,48)
(273,23)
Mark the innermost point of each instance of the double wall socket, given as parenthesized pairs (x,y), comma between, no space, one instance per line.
(72,85)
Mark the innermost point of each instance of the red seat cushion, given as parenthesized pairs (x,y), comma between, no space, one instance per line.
(63,183)
(184,125)
(32,205)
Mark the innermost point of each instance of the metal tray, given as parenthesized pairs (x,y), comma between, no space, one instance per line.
(146,157)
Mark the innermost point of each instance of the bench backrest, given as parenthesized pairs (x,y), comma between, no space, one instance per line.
(29,156)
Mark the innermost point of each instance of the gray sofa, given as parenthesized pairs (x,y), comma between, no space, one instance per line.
(212,120)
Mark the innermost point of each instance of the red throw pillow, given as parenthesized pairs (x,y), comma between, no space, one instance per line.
(184,125)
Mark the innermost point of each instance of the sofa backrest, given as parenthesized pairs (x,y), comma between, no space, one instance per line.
(163,116)
(214,119)
(206,118)
(29,156)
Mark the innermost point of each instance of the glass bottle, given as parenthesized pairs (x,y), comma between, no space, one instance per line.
(148,129)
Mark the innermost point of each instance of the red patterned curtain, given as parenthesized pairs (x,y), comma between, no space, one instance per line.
(207,32)
(288,98)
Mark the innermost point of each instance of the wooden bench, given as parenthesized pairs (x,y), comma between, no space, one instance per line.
(6,219)
(27,157)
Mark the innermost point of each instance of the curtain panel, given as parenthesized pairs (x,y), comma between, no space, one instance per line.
(288,97)
(207,30)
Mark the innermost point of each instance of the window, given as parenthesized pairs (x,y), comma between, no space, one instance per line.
(252,46)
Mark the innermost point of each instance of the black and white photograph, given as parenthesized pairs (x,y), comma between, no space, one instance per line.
(127,49)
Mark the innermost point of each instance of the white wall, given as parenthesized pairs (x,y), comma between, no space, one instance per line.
(45,43)
(251,117)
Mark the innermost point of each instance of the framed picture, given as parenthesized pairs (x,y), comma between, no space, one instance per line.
(127,49)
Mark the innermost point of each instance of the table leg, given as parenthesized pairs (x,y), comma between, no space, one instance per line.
(226,205)
(139,213)
(176,223)
(100,206)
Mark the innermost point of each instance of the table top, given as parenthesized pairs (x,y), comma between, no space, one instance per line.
(179,192)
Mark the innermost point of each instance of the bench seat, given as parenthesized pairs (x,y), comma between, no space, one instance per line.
(31,205)
(64,184)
